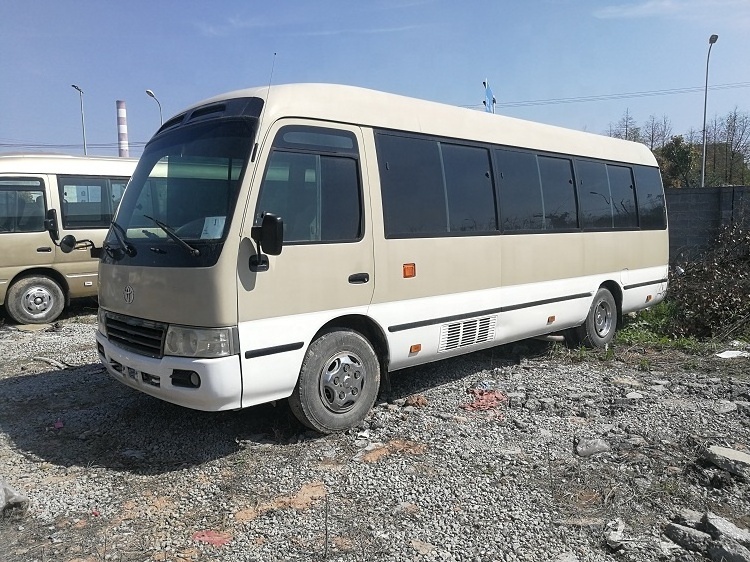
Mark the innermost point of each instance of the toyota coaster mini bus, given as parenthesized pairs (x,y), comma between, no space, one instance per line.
(304,241)
(37,279)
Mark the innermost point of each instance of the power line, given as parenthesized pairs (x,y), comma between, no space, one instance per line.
(607,97)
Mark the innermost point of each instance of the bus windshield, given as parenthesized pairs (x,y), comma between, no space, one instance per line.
(187,180)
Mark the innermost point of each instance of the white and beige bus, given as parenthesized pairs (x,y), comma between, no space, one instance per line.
(43,197)
(304,241)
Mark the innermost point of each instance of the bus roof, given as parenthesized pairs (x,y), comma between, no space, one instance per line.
(66,164)
(372,108)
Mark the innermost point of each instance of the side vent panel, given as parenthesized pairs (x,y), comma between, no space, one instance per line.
(469,332)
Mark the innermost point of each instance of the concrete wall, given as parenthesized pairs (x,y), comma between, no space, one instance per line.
(697,214)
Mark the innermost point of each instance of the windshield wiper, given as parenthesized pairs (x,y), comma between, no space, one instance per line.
(122,238)
(173,235)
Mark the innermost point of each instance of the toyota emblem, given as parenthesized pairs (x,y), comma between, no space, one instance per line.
(128,294)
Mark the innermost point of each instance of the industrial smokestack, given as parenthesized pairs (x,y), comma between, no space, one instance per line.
(122,130)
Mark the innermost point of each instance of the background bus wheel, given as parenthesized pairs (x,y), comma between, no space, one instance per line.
(338,382)
(34,300)
(601,322)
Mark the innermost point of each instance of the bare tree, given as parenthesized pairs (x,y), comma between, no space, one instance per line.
(656,132)
(736,138)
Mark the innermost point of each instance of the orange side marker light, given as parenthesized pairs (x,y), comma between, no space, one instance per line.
(410,270)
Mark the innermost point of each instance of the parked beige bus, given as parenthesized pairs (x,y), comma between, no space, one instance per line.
(37,280)
(411,231)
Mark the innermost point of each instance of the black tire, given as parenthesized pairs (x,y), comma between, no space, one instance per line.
(35,300)
(602,320)
(338,382)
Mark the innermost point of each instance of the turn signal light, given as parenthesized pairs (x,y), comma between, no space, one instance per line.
(410,270)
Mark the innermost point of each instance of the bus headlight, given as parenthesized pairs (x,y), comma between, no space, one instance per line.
(199,342)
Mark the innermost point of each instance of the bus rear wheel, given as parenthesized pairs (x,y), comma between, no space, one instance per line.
(601,323)
(35,300)
(338,382)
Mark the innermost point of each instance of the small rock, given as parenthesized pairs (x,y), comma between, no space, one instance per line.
(589,447)
(614,535)
(634,396)
(687,537)
(728,551)
(725,407)
(719,528)
(566,557)
(416,400)
(422,547)
(688,518)
(730,460)
(11,499)
(636,441)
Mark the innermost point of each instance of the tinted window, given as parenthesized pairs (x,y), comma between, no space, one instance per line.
(593,194)
(520,191)
(317,196)
(651,208)
(21,206)
(89,202)
(623,196)
(468,183)
(559,193)
(411,183)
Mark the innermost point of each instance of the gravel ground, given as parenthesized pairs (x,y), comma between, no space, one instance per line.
(477,458)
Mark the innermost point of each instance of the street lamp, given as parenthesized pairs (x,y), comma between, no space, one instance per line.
(711,41)
(83,121)
(153,95)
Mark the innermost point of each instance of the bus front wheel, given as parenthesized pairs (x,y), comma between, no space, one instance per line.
(35,300)
(338,382)
(601,323)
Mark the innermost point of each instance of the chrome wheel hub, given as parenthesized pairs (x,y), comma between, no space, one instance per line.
(36,300)
(341,382)
(603,319)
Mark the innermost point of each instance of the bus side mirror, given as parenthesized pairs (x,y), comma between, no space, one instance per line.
(50,224)
(269,238)
(68,243)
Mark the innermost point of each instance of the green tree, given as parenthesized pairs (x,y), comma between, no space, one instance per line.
(678,161)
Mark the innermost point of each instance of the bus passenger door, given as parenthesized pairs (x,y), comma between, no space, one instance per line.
(87,204)
(312,177)
(24,243)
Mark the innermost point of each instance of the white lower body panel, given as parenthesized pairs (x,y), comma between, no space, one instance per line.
(220,386)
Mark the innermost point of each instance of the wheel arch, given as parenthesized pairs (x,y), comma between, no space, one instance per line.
(616,292)
(372,332)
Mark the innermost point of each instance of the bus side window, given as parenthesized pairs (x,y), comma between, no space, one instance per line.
(312,182)
(21,209)
(559,193)
(521,207)
(8,215)
(621,186)
(650,198)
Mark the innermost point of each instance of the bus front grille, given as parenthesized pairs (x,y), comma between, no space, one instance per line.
(142,336)
(469,332)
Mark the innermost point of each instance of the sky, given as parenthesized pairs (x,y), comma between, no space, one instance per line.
(574,63)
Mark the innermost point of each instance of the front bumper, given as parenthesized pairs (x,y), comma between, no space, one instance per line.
(220,379)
